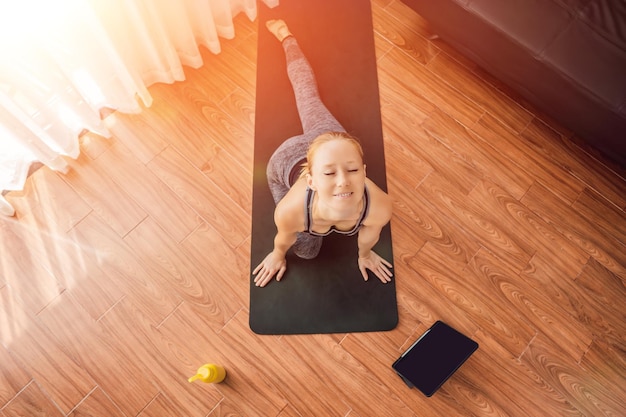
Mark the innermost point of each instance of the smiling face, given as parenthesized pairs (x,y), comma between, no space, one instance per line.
(337,173)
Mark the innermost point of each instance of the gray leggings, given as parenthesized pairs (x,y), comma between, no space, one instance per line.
(316,120)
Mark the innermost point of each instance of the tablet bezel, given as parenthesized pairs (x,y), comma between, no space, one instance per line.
(439,337)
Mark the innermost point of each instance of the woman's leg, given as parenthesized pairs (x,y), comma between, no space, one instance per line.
(278,170)
(314,115)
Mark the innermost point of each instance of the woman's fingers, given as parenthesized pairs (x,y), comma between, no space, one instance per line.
(281,272)
(261,273)
(364,272)
(266,274)
(266,271)
(264,277)
(382,270)
(378,266)
(384,274)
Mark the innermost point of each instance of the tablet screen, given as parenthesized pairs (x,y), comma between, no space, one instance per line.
(434,357)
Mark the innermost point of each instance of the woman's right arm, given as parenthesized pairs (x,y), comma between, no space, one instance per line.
(275,262)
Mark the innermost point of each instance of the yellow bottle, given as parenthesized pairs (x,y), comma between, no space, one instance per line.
(209,373)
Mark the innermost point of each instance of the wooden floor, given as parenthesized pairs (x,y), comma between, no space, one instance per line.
(120,278)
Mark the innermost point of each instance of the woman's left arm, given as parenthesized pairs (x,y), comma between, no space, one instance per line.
(379,215)
(368,259)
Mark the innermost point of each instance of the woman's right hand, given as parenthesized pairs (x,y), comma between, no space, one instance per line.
(265,271)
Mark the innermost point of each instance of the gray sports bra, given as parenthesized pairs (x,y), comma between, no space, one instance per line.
(308,216)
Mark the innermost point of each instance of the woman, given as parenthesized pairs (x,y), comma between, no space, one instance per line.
(318,181)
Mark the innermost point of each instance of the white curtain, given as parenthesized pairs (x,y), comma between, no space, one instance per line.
(62,61)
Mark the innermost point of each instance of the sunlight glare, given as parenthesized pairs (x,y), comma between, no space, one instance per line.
(88,87)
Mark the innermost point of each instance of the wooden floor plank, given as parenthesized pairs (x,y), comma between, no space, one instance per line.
(487,160)
(447,163)
(228,269)
(602,246)
(21,250)
(599,314)
(381,45)
(606,315)
(426,304)
(160,406)
(240,107)
(600,212)
(235,66)
(404,15)
(53,204)
(469,215)
(244,371)
(393,97)
(293,375)
(471,85)
(427,224)
(359,388)
(132,332)
(579,386)
(70,262)
(185,130)
(225,172)
(180,271)
(112,367)
(199,192)
(405,39)
(563,152)
(486,393)
(96,404)
(606,365)
(132,130)
(110,201)
(288,411)
(96,291)
(217,124)
(157,199)
(118,261)
(37,350)
(13,377)
(32,401)
(208,81)
(377,352)
(536,308)
(542,168)
(245,40)
(420,81)
(397,149)
(472,294)
(516,219)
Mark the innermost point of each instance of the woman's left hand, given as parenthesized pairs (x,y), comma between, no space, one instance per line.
(376,264)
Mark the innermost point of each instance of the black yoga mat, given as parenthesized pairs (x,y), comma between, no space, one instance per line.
(326,294)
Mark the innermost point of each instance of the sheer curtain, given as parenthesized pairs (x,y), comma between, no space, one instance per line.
(63,61)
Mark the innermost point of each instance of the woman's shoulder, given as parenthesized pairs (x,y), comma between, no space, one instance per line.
(380,204)
(290,210)
(375,192)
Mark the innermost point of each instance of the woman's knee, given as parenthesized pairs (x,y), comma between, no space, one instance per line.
(307,246)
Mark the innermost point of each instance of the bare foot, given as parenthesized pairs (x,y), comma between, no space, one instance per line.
(278,28)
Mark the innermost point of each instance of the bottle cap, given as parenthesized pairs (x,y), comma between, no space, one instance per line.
(209,373)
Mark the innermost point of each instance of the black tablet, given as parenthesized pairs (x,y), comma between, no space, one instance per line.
(434,357)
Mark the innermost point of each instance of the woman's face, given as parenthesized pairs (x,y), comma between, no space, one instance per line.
(337,174)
